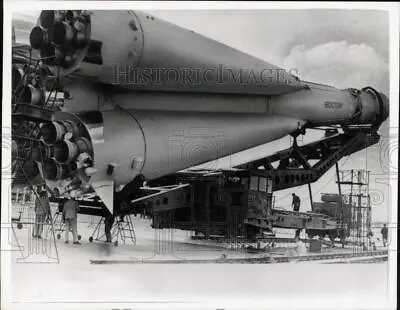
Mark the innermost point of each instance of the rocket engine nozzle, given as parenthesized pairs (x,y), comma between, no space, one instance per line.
(54,171)
(55,131)
(32,95)
(38,37)
(83,145)
(56,56)
(65,151)
(62,37)
(63,33)
(41,152)
(48,17)
(52,132)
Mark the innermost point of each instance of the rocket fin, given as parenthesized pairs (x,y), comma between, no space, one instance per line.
(105,190)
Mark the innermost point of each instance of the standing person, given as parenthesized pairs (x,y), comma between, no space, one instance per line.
(300,247)
(384,232)
(295,202)
(109,219)
(70,214)
(42,210)
(108,223)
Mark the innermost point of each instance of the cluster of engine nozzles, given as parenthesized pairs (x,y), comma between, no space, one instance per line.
(60,35)
(63,150)
(28,87)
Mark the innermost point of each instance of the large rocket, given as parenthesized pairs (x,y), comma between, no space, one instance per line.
(143,97)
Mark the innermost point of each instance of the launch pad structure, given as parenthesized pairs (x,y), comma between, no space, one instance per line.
(236,207)
(355,184)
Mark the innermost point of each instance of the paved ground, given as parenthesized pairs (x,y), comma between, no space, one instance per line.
(40,278)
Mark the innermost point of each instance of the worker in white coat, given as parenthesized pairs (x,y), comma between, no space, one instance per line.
(70,214)
(300,247)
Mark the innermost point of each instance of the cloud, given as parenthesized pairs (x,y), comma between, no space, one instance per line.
(354,26)
(340,64)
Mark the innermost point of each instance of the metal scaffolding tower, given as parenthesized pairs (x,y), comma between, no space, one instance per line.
(354,185)
(34,99)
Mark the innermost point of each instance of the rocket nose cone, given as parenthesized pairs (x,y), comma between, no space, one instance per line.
(385,106)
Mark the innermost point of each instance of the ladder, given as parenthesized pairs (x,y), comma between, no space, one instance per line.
(97,231)
(36,248)
(58,225)
(123,230)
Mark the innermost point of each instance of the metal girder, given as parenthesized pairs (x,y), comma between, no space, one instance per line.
(301,220)
(327,151)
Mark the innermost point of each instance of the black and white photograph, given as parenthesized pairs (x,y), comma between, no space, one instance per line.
(210,155)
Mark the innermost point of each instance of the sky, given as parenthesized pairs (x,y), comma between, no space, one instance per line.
(342,48)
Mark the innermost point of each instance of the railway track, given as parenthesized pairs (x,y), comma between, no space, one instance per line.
(339,257)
